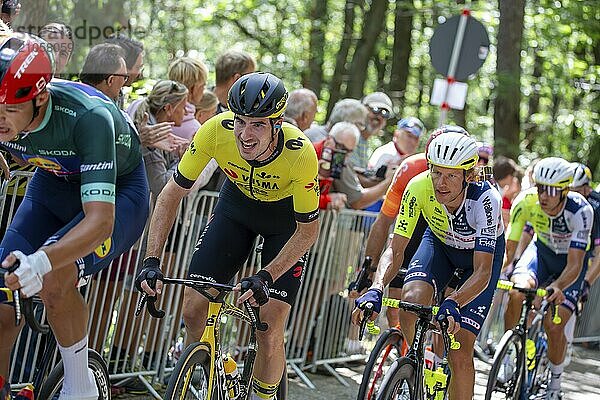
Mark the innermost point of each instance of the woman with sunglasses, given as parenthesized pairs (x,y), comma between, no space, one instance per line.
(562,220)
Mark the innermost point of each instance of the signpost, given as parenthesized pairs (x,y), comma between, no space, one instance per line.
(457,49)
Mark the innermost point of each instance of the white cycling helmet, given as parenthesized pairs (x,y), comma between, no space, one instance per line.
(582,175)
(553,171)
(453,149)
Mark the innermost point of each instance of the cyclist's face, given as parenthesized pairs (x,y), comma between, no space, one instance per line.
(16,118)
(447,184)
(550,200)
(253,137)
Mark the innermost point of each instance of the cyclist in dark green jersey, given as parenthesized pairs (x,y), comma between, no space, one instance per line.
(86,204)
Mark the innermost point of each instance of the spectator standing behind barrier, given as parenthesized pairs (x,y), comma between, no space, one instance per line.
(403,144)
(507,175)
(301,109)
(332,153)
(165,103)
(192,73)
(380,109)
(347,110)
(60,38)
(228,68)
(207,107)
(134,58)
(104,68)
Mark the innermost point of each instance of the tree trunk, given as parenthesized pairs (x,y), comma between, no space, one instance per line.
(508,71)
(531,131)
(340,71)
(316,52)
(403,23)
(373,23)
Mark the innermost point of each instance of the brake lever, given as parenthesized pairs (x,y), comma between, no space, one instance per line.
(367,312)
(16,295)
(150,301)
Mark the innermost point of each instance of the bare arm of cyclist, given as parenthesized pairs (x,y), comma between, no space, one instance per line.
(305,236)
(390,264)
(378,236)
(161,223)
(594,269)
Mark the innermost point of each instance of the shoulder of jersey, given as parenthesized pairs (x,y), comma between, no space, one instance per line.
(575,201)
(294,138)
(476,189)
(86,95)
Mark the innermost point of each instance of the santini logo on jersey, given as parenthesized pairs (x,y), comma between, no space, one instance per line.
(96,167)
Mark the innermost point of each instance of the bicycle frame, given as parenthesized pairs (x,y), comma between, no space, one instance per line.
(211,337)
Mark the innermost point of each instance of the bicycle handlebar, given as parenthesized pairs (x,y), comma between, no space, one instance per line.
(24,308)
(540,292)
(150,301)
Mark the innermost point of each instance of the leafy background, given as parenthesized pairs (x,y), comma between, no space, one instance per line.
(535,96)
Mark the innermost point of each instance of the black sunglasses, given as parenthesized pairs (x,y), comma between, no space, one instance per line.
(340,146)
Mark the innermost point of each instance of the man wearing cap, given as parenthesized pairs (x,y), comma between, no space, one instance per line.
(380,109)
(403,144)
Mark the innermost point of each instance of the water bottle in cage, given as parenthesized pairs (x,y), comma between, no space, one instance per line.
(530,352)
(232,377)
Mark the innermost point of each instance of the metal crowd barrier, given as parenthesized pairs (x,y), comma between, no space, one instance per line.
(318,333)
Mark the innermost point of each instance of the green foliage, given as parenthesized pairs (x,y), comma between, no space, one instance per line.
(565,34)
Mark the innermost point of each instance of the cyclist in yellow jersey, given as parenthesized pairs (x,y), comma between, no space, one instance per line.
(272,190)
(465,232)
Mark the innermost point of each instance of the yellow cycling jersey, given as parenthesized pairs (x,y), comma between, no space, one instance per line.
(290,171)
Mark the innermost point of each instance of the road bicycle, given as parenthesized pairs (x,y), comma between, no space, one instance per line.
(408,377)
(47,382)
(203,370)
(522,351)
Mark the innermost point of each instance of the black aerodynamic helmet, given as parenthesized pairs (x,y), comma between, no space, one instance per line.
(259,94)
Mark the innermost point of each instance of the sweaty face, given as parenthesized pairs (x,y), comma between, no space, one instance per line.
(14,118)
(253,137)
(447,184)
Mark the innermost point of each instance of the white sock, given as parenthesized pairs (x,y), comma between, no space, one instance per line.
(556,372)
(79,382)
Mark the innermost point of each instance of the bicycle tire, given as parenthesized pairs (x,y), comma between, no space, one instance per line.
(510,341)
(374,372)
(402,375)
(53,383)
(196,354)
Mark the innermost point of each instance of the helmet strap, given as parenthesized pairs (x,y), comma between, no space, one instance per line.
(273,134)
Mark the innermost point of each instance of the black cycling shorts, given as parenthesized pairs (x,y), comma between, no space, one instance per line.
(229,237)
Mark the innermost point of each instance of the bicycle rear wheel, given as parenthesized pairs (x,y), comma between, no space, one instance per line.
(399,381)
(53,384)
(386,350)
(509,357)
(190,375)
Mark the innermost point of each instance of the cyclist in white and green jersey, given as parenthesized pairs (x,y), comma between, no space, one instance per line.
(562,221)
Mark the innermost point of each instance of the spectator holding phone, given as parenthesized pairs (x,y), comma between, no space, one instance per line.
(332,153)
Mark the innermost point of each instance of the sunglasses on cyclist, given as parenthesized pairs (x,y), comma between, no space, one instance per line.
(384,112)
(549,190)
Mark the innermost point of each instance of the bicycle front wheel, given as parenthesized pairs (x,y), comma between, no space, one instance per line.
(190,378)
(508,368)
(386,350)
(53,384)
(399,381)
